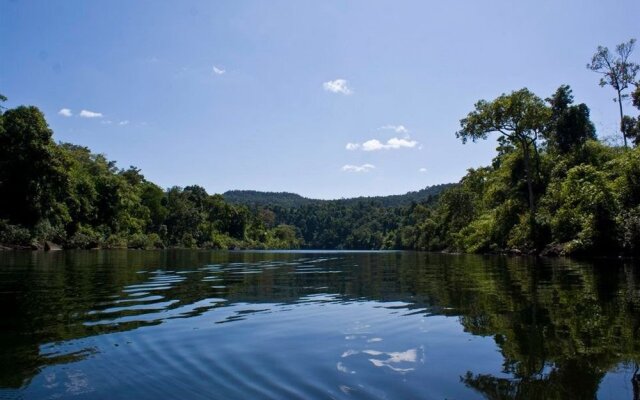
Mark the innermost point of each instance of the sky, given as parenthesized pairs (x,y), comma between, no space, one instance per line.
(328,99)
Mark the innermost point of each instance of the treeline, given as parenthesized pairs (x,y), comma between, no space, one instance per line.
(60,194)
(64,194)
(291,200)
(552,188)
(573,195)
(361,223)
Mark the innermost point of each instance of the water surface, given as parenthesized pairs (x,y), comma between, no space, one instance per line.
(330,325)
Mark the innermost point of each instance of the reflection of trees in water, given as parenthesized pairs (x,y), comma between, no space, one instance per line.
(573,380)
(560,329)
(559,324)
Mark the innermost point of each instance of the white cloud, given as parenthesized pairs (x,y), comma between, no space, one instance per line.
(218,71)
(358,168)
(372,145)
(90,114)
(393,143)
(352,146)
(65,112)
(125,122)
(337,86)
(395,128)
(423,170)
(106,122)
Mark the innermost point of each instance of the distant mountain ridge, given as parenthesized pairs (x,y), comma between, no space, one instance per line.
(289,200)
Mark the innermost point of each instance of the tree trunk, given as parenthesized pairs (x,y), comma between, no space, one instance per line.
(527,170)
(624,136)
(532,205)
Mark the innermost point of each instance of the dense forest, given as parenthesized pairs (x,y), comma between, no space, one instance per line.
(552,188)
(288,200)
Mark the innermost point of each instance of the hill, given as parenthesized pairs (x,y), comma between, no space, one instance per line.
(288,200)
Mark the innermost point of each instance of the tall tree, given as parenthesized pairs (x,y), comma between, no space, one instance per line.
(519,117)
(617,71)
(3,98)
(631,126)
(570,124)
(30,175)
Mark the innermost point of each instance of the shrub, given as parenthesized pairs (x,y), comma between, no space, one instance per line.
(45,231)
(115,242)
(629,223)
(84,238)
(139,241)
(476,237)
(155,241)
(188,241)
(14,234)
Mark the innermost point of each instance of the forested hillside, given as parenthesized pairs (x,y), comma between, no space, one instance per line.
(289,200)
(255,198)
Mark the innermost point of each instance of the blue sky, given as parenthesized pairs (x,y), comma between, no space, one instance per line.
(269,95)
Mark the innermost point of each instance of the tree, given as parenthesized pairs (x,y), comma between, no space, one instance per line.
(618,72)
(570,124)
(30,175)
(520,117)
(3,98)
(630,125)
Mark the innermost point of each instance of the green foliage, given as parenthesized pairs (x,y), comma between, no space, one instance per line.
(586,212)
(84,238)
(630,125)
(477,236)
(520,118)
(44,231)
(629,230)
(115,242)
(570,126)
(30,174)
(14,234)
(257,199)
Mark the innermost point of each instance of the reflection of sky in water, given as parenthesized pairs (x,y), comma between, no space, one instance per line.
(359,348)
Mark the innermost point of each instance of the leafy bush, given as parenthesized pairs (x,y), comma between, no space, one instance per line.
(155,241)
(45,231)
(477,236)
(629,223)
(84,238)
(585,218)
(14,234)
(188,241)
(115,242)
(142,241)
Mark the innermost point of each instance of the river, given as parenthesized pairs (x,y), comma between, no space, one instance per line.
(183,324)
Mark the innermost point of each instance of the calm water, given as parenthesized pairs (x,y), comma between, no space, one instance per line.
(251,325)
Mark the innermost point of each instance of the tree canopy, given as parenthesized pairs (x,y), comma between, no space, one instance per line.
(520,118)
(617,71)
